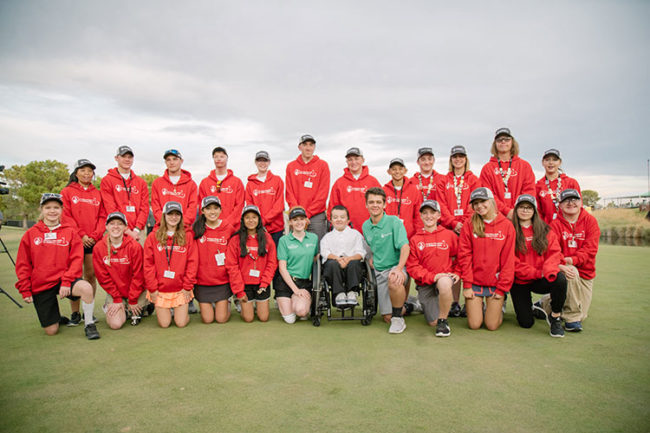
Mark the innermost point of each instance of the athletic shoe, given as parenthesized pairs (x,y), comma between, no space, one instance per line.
(408,309)
(505,301)
(75,319)
(191,308)
(413,300)
(556,327)
(148,310)
(352,298)
(397,325)
(135,320)
(341,300)
(63,320)
(538,311)
(454,311)
(463,311)
(91,332)
(573,326)
(442,328)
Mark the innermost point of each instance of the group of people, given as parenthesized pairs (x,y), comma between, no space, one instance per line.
(499,233)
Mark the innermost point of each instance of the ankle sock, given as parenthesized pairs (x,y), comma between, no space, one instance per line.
(397,312)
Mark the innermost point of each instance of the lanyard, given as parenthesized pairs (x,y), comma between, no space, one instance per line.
(426,196)
(250,254)
(505,176)
(399,201)
(458,189)
(127,189)
(556,195)
(168,254)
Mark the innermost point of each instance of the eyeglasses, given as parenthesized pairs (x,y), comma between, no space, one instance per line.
(526,208)
(571,200)
(503,139)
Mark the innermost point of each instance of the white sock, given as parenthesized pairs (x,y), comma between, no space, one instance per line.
(88,311)
(290,318)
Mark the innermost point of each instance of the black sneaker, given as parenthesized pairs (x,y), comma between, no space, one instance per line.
(191,308)
(454,311)
(556,327)
(538,311)
(149,310)
(463,311)
(408,309)
(135,320)
(442,328)
(75,319)
(63,320)
(91,332)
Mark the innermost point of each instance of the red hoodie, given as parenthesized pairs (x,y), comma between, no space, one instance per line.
(427,186)
(350,192)
(213,242)
(488,261)
(83,209)
(531,266)
(431,254)
(124,277)
(545,204)
(521,181)
(183,263)
(129,196)
(308,184)
(268,196)
(185,192)
(239,268)
(404,204)
(451,212)
(230,192)
(48,257)
(579,241)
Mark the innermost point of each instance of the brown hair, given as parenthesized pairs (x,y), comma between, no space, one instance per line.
(108,242)
(451,166)
(375,190)
(179,234)
(540,230)
(297,207)
(478,225)
(514,150)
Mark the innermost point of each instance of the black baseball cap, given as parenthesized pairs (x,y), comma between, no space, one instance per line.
(297,212)
(172,152)
(251,208)
(207,201)
(569,193)
(307,137)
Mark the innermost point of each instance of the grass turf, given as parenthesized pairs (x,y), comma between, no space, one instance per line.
(339,377)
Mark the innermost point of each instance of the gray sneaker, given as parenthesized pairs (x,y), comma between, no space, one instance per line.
(556,327)
(397,325)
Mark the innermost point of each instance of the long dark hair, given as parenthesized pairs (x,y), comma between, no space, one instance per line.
(199,226)
(540,230)
(260,231)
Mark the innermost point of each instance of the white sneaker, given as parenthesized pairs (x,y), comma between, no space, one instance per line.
(341,299)
(397,325)
(352,298)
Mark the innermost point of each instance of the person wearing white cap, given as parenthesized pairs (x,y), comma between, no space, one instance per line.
(175,184)
(506,174)
(549,186)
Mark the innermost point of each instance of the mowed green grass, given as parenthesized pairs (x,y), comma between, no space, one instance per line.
(339,377)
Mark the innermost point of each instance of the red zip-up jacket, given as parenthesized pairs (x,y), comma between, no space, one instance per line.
(239,267)
(119,194)
(83,208)
(488,261)
(213,242)
(404,204)
(521,181)
(531,266)
(124,277)
(185,192)
(450,213)
(231,194)
(308,184)
(545,205)
(586,234)
(268,196)
(184,263)
(432,253)
(48,257)
(350,192)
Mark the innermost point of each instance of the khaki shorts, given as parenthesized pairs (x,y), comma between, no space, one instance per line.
(142,301)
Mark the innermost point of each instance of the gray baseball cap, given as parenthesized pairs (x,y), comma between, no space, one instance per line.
(399,161)
(123,150)
(458,150)
(307,137)
(262,154)
(207,201)
(354,151)
(425,151)
(297,212)
(49,196)
(503,131)
(251,208)
(83,163)
(481,193)
(171,206)
(432,204)
(116,215)
(526,198)
(552,152)
(569,193)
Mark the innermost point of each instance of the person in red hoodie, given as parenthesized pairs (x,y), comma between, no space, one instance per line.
(123,191)
(427,179)
(537,260)
(175,184)
(402,197)
(222,183)
(549,187)
(213,287)
(266,191)
(49,262)
(431,263)
(251,262)
(308,183)
(486,259)
(579,235)
(170,267)
(505,174)
(82,208)
(118,263)
(349,190)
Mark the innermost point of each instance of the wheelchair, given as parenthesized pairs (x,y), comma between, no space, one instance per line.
(323,302)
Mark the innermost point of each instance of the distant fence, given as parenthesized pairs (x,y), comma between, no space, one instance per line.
(18,223)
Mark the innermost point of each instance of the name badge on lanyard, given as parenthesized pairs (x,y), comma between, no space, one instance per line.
(50,236)
(169,274)
(254,273)
(308,184)
(130,208)
(554,215)
(458,212)
(573,244)
(507,195)
(220,258)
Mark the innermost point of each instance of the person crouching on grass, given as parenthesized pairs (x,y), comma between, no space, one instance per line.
(432,251)
(251,262)
(296,254)
(486,258)
(537,260)
(170,267)
(117,261)
(49,263)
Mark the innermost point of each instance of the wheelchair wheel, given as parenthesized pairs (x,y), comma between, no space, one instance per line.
(366,321)
(315,321)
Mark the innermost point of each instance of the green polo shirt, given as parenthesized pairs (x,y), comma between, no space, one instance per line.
(385,239)
(298,255)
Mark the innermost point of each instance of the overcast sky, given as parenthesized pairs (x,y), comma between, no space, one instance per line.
(80,78)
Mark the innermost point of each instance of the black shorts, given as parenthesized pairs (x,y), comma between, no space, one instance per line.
(209,294)
(253,294)
(282,290)
(47,305)
(89,250)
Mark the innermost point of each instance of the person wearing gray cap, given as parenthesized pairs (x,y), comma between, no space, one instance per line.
(123,191)
(506,174)
(308,184)
(427,179)
(349,189)
(402,197)
(266,191)
(82,205)
(549,186)
(175,184)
